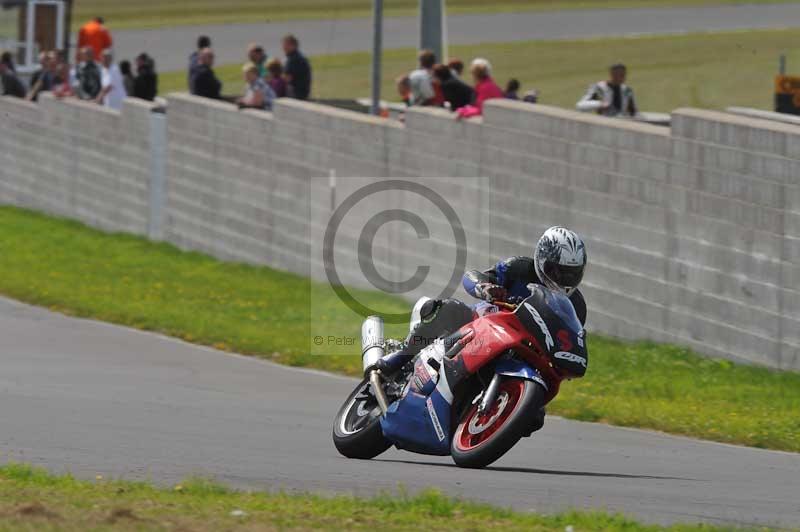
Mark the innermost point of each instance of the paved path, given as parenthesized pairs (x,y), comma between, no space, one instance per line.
(171,46)
(93,398)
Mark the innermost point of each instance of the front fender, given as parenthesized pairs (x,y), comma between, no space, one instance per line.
(516,368)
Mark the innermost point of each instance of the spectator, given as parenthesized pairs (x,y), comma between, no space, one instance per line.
(612,97)
(257,56)
(44,78)
(532,96)
(8,61)
(202,42)
(63,87)
(456,67)
(206,83)
(404,89)
(422,91)
(127,76)
(297,70)
(12,86)
(454,91)
(86,75)
(95,35)
(258,94)
(512,89)
(485,88)
(145,85)
(113,87)
(275,78)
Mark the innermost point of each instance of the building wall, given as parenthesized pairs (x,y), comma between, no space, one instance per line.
(693,232)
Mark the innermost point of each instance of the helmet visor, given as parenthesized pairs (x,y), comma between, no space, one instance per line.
(566,277)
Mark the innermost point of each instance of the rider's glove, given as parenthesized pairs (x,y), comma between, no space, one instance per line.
(491,292)
(516,300)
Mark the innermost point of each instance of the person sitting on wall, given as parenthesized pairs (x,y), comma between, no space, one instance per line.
(610,98)
(206,83)
(258,94)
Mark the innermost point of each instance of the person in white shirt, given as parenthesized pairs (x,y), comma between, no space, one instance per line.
(612,97)
(113,92)
(421,80)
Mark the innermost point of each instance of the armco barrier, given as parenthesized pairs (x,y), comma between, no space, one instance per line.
(693,232)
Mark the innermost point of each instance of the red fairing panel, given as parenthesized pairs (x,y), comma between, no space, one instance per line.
(493,334)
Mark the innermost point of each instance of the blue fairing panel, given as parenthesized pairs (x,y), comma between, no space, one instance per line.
(517,368)
(419,424)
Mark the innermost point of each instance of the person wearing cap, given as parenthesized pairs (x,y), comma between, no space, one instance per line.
(610,98)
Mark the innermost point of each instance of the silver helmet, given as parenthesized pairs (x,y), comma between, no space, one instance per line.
(559,259)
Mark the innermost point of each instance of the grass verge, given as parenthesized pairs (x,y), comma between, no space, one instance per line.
(31,499)
(131,281)
(667,72)
(156,13)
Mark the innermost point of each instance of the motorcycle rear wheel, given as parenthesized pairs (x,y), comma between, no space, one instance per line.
(480,439)
(357,429)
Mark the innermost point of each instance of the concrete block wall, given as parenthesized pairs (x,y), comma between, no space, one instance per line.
(693,232)
(78,160)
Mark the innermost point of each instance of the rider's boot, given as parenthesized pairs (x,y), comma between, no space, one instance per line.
(394,361)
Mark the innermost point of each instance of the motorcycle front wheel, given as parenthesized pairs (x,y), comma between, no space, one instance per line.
(482,438)
(357,429)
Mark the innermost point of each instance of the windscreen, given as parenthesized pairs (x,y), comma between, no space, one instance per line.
(562,307)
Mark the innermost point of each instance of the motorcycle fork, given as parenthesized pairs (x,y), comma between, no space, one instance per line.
(489,395)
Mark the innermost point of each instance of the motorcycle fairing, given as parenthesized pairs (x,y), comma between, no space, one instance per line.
(550,319)
(419,424)
(516,368)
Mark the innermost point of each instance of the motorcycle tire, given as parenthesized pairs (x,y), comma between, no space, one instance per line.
(480,439)
(357,429)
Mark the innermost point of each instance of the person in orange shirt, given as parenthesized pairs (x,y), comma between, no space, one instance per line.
(95,35)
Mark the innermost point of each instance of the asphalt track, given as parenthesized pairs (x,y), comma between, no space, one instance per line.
(171,46)
(92,398)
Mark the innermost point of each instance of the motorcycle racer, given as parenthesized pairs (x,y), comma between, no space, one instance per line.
(558,263)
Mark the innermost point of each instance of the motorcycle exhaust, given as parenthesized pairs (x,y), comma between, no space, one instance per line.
(371,341)
(377,390)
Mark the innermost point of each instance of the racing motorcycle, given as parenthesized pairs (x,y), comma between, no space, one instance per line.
(471,395)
